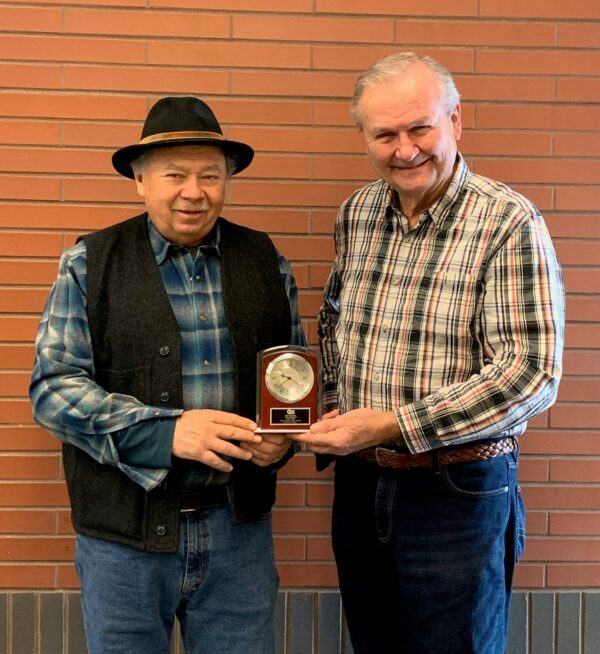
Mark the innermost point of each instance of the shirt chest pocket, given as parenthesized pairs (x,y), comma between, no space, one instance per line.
(451,303)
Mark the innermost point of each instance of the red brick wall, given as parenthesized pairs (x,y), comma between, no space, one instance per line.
(76,80)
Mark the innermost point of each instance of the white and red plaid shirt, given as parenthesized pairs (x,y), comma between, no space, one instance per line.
(456,325)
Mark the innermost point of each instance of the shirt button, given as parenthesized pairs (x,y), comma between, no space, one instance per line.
(203,317)
(161,530)
(395,281)
(164,396)
(206,363)
(376,377)
(385,329)
(197,278)
(164,350)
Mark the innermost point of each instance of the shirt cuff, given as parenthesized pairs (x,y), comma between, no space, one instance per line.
(418,431)
(146,444)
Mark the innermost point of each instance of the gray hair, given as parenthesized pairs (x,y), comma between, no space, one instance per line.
(139,164)
(397,64)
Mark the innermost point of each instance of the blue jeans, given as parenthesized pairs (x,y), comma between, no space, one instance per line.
(221,584)
(426,556)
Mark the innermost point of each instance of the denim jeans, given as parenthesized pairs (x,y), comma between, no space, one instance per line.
(426,556)
(221,584)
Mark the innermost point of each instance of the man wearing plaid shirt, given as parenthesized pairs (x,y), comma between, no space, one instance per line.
(441,336)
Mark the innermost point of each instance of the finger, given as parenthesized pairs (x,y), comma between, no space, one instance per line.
(257,453)
(326,426)
(225,448)
(276,439)
(262,462)
(300,437)
(254,449)
(268,458)
(226,418)
(265,449)
(327,442)
(270,450)
(212,460)
(242,435)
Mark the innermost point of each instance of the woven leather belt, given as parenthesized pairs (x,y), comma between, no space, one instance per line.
(206,497)
(388,458)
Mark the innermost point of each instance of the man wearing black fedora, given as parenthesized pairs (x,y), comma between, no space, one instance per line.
(146,370)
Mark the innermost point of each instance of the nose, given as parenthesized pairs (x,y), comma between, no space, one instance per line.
(405,148)
(192,188)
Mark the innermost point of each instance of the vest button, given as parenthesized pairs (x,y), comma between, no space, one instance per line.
(164,350)
(161,530)
(164,396)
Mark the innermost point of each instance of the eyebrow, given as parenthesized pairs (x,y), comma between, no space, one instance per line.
(379,130)
(180,167)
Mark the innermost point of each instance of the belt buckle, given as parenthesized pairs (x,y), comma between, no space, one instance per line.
(383,451)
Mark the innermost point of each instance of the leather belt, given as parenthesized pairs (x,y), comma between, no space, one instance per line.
(388,458)
(205,497)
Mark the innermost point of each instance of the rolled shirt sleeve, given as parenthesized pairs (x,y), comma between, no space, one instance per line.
(68,402)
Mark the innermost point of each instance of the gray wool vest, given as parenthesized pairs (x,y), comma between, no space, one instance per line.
(137,351)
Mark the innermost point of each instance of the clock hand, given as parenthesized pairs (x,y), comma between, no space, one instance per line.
(288,378)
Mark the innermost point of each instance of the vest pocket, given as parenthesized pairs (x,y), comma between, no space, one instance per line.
(104,503)
(131,381)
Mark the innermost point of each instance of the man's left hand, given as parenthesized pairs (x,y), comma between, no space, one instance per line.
(272,448)
(350,432)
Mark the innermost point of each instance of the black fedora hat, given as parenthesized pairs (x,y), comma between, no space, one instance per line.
(181,121)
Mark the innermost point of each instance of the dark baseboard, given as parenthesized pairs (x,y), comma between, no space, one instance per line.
(308,622)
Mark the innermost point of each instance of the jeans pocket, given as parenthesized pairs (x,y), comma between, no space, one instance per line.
(478,479)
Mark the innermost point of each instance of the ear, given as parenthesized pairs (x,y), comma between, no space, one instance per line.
(139,183)
(456,119)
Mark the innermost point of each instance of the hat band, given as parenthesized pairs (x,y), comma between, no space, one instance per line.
(173,136)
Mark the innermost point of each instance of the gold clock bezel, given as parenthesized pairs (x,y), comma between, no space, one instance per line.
(307,373)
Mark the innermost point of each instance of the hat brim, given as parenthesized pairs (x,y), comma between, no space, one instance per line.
(241,153)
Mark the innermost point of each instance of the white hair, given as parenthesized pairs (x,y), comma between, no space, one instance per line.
(397,64)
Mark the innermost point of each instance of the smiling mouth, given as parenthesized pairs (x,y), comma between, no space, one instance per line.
(191,211)
(409,168)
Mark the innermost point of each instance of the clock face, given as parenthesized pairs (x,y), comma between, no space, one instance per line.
(289,377)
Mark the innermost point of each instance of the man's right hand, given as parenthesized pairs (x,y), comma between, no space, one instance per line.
(206,435)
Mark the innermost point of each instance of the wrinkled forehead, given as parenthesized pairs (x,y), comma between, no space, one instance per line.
(210,154)
(401,100)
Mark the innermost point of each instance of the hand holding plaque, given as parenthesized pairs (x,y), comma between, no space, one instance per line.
(287,389)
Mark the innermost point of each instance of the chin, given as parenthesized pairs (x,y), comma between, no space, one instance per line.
(415,182)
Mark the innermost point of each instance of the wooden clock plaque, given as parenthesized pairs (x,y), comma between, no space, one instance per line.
(287,389)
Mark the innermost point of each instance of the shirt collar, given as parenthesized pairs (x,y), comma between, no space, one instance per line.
(161,247)
(441,208)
